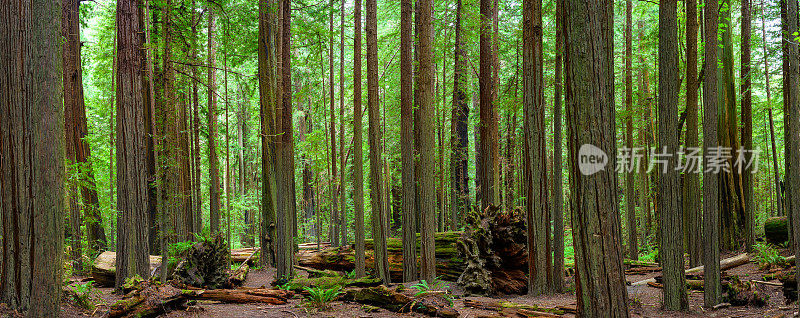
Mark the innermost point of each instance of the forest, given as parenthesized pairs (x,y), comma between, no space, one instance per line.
(399,158)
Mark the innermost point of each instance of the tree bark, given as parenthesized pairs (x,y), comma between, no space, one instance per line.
(358,166)
(630,201)
(600,280)
(747,124)
(268,102)
(488,184)
(379,221)
(285,180)
(32,157)
(671,249)
(769,104)
(535,152)
(132,242)
(712,294)
(426,107)
(334,235)
(213,164)
(691,181)
(791,62)
(557,192)
(459,141)
(407,141)
(342,158)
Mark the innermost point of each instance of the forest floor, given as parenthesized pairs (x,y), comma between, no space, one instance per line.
(644,301)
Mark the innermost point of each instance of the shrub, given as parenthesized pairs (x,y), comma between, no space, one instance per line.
(320,297)
(767,255)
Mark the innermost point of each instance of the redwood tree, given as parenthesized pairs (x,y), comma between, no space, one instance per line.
(459,141)
(712,294)
(599,278)
(379,216)
(32,157)
(535,152)
(671,248)
(358,166)
(407,143)
(132,243)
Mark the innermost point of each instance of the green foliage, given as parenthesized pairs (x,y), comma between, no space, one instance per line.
(177,250)
(767,255)
(82,295)
(435,287)
(321,297)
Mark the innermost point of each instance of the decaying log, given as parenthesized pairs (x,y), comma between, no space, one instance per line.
(104,267)
(642,270)
(432,304)
(494,247)
(151,301)
(297,284)
(724,264)
(634,263)
(776,230)
(154,299)
(735,291)
(242,295)
(104,270)
(448,264)
(509,309)
(238,276)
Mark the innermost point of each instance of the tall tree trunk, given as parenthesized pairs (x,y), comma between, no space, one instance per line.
(488,184)
(358,166)
(407,143)
(557,193)
(286,191)
(343,215)
(535,152)
(747,126)
(671,251)
(712,290)
(426,107)
(791,59)
(268,102)
(599,278)
(459,141)
(379,221)
(644,138)
(213,164)
(132,244)
(769,104)
(77,149)
(334,235)
(691,180)
(32,157)
(630,203)
(197,177)
(732,212)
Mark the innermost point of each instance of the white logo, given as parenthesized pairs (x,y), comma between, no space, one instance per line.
(591,159)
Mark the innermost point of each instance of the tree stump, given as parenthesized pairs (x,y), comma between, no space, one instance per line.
(776,230)
(494,246)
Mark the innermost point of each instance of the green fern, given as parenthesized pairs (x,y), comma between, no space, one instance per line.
(320,298)
(767,255)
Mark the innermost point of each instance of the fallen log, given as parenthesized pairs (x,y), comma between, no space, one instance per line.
(509,309)
(448,264)
(238,276)
(104,270)
(241,296)
(634,263)
(432,304)
(154,299)
(151,301)
(724,264)
(642,270)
